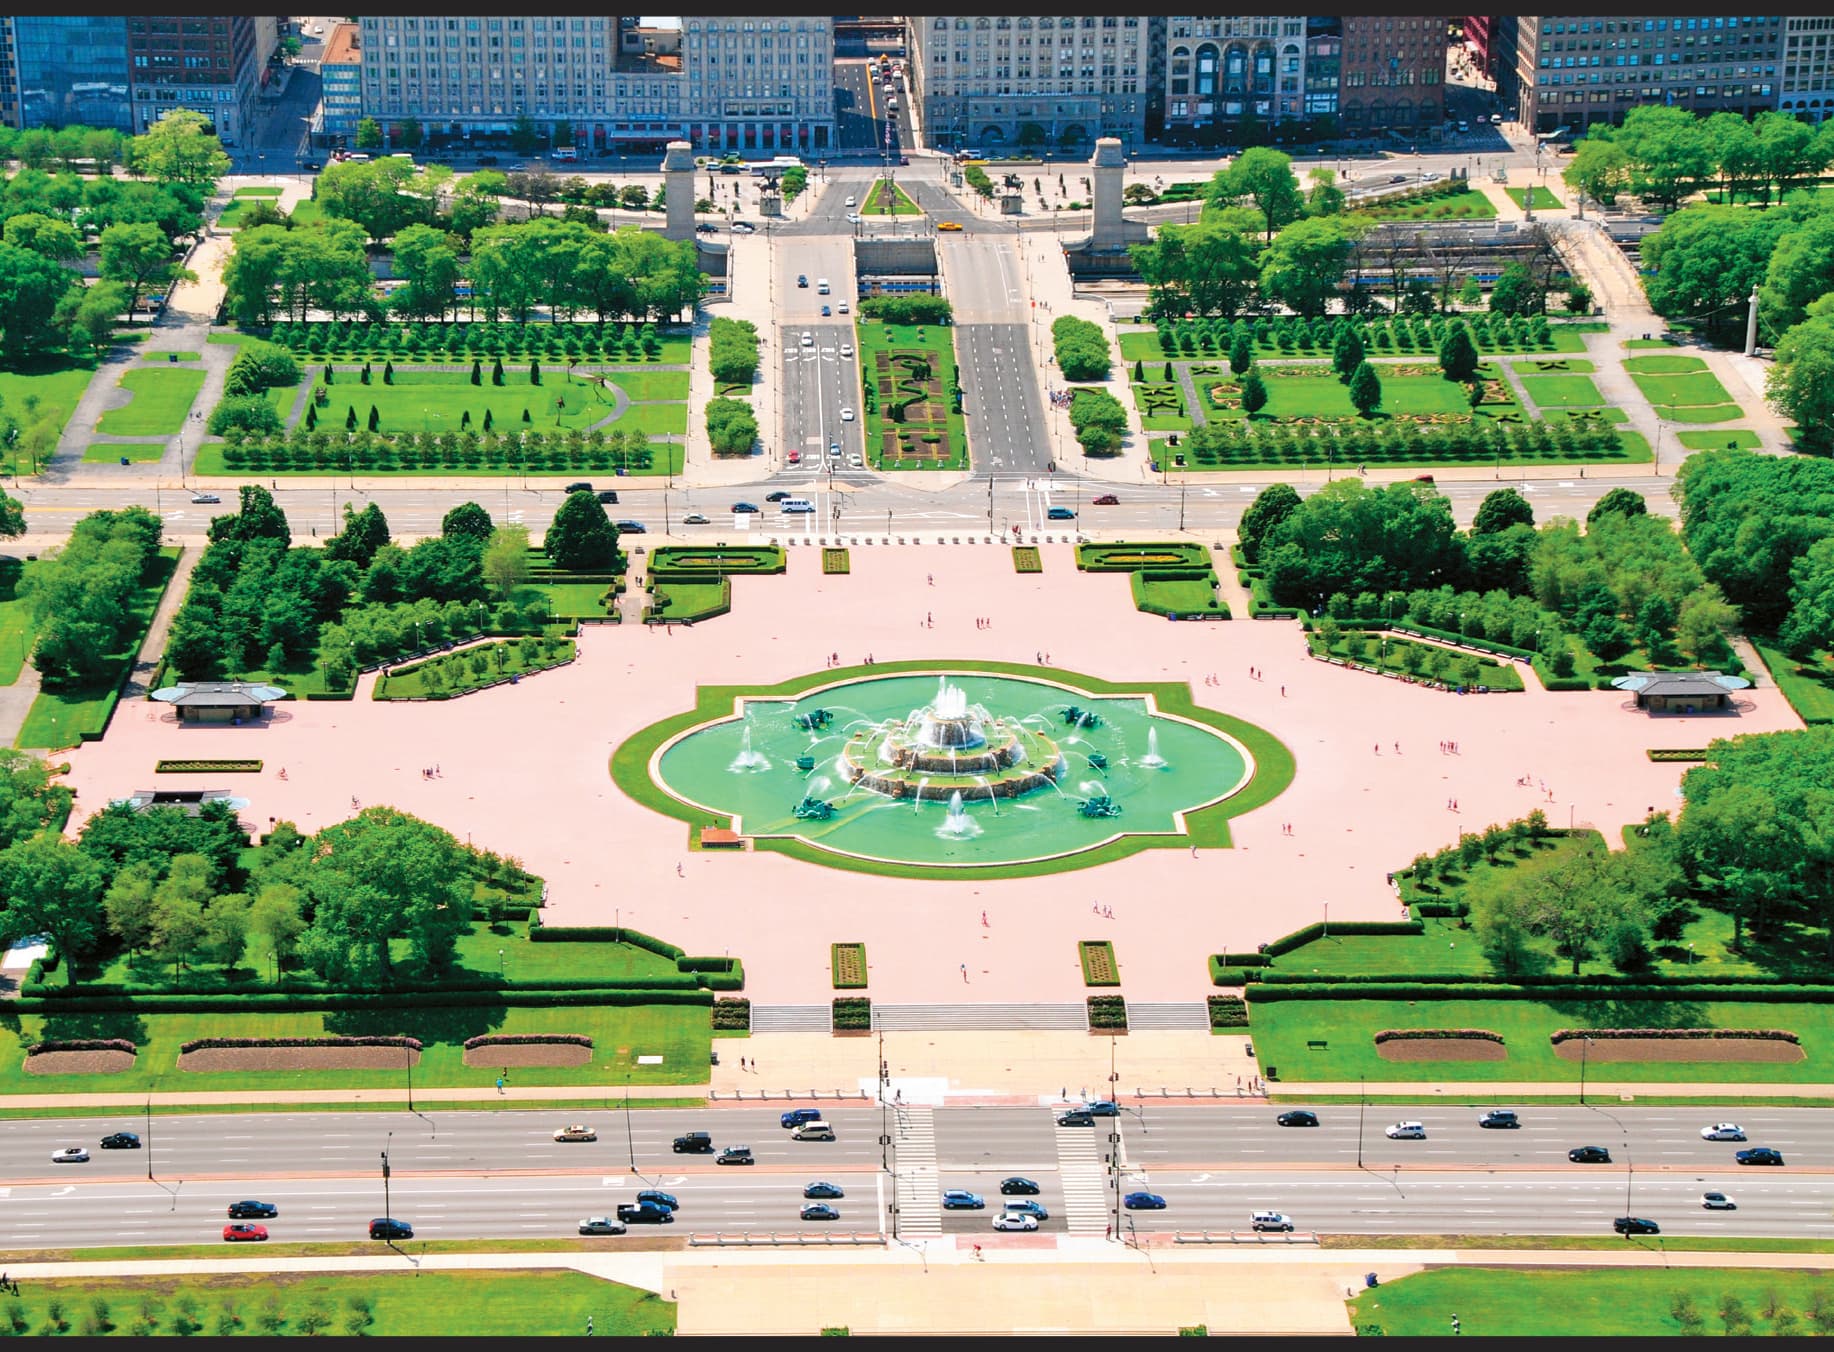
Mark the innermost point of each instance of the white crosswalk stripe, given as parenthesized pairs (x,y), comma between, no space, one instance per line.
(919,1191)
(1079,1165)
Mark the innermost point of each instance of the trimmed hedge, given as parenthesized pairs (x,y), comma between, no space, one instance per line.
(1300,937)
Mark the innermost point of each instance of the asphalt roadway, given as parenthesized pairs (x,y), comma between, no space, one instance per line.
(500,1174)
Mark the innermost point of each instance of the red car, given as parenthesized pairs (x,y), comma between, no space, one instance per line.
(1106,500)
(244,1230)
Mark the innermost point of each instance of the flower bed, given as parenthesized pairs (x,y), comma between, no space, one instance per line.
(207,767)
(847,965)
(1099,966)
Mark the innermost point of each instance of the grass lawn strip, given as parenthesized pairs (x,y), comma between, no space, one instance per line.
(163,395)
(1209,826)
(517,1303)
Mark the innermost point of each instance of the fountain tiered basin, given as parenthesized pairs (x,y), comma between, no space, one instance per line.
(952,768)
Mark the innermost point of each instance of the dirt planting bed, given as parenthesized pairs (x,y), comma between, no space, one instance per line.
(79,1063)
(530,1054)
(1681,1049)
(296,1058)
(1442,1049)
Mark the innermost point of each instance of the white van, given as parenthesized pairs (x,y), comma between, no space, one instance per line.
(821,286)
(795,506)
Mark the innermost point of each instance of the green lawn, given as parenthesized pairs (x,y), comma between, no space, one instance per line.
(1562,391)
(1740,438)
(1536,198)
(518,1303)
(423,400)
(872,204)
(163,396)
(1577,1302)
(16,627)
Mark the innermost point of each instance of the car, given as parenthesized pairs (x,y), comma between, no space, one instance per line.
(826,311)
(1026,1207)
(739,508)
(1298,1117)
(778,496)
(70,1154)
(844,308)
(1589,1154)
(1635,1225)
(601,1225)
(846,348)
(694,519)
(387,1227)
(580,487)
(1406,1131)
(735,1154)
(576,1133)
(815,1130)
(608,495)
(1723,1131)
(121,1140)
(1759,1155)
(1717,1201)
(632,527)
(1076,1117)
(204,499)
(1061,514)
(645,1214)
(846,413)
(656,1197)
(1143,1201)
(694,1142)
(948,225)
(957,1200)
(802,280)
(820,1211)
(240,1230)
(1015,1220)
(1105,500)
(1018,1187)
(795,1117)
(1270,1220)
(1499,1118)
(824,1191)
(252,1210)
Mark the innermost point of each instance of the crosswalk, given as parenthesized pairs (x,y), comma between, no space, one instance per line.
(919,1192)
(1079,1167)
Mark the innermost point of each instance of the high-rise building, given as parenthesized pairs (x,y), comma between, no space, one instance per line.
(210,65)
(69,70)
(1806,87)
(1572,71)
(1006,80)
(1224,71)
(340,73)
(1392,77)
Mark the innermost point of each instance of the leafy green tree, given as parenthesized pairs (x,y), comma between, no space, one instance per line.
(581,537)
(1265,177)
(1365,389)
(1501,509)
(1272,505)
(1458,353)
(51,887)
(467,519)
(1347,352)
(1254,391)
(1303,266)
(369,134)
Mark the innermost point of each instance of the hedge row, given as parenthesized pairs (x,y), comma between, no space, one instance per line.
(1418,1034)
(527,1040)
(1602,1034)
(1300,937)
(1474,990)
(82,1044)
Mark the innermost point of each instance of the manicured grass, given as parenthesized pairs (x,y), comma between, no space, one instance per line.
(1581,1303)
(16,627)
(1808,686)
(1740,438)
(1283,1029)
(163,396)
(872,204)
(65,716)
(520,1303)
(1536,198)
(1209,826)
(1562,391)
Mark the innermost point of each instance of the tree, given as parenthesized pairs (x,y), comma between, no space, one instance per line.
(1303,266)
(1599,169)
(1241,354)
(1501,509)
(1265,177)
(1365,389)
(51,887)
(467,519)
(1271,506)
(1458,353)
(506,560)
(369,134)
(1254,391)
(1618,502)
(581,537)
(1347,352)
(1516,292)
(176,149)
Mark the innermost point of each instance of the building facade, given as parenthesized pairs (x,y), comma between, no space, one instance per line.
(1806,86)
(1227,71)
(1057,83)
(209,65)
(341,82)
(1393,76)
(1573,71)
(65,71)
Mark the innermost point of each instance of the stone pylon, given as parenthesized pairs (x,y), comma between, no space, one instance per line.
(678,185)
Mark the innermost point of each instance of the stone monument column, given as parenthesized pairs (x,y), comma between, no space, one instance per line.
(1105,168)
(678,185)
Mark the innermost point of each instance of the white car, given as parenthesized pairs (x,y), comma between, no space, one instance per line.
(601,1225)
(576,1133)
(70,1154)
(846,415)
(1407,1131)
(1015,1220)
(846,348)
(1717,1201)
(1723,1131)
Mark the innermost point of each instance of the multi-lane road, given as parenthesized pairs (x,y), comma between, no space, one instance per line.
(497,1174)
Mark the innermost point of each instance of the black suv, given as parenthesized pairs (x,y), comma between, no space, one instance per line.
(694,1143)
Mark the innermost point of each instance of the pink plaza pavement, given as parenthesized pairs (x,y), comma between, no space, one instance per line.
(524,770)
